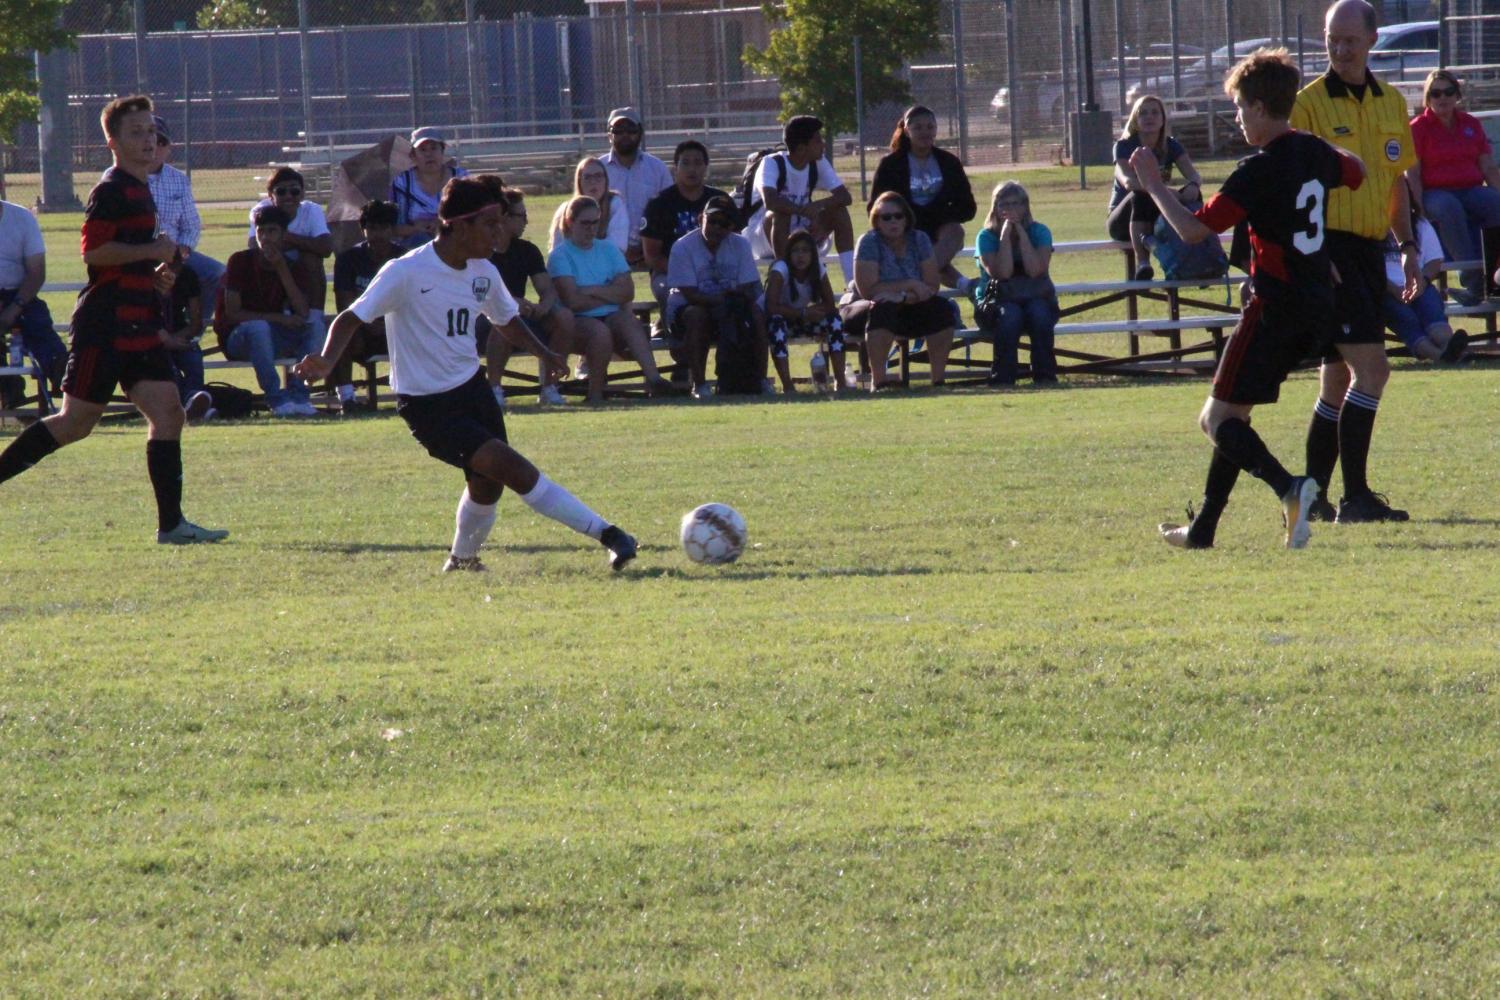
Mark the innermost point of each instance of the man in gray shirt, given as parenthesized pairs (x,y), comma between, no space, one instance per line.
(712,273)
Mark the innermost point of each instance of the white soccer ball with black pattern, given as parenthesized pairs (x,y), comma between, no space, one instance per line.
(713,534)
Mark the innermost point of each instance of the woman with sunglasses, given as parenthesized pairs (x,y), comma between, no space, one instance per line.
(1455,177)
(591,180)
(896,281)
(593,280)
(933,182)
(1014,252)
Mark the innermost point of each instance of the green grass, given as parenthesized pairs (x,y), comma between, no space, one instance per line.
(957,724)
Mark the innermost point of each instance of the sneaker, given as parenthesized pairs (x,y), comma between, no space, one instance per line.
(1369,507)
(703,392)
(549,395)
(621,547)
(188,533)
(211,414)
(499,395)
(1176,535)
(464,564)
(1464,296)
(767,387)
(304,408)
(198,405)
(287,409)
(1294,508)
(354,408)
(1322,510)
(1457,345)
(581,373)
(1144,273)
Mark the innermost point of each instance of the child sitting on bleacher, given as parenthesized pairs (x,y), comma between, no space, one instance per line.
(799,302)
(1422,323)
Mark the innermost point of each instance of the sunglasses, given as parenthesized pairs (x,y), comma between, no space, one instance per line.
(623,129)
(892,216)
(1012,204)
(1443,92)
(287,192)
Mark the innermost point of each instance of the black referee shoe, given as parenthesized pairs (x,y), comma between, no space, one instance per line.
(1322,510)
(621,547)
(1369,507)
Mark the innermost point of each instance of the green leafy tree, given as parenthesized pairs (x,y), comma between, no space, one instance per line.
(29,25)
(811,53)
(227,14)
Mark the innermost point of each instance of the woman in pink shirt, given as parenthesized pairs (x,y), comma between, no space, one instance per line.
(1455,176)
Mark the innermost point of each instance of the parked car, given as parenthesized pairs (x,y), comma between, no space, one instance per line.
(1405,51)
(1195,79)
(1041,96)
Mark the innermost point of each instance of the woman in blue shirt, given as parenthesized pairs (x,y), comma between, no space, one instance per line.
(1015,251)
(1132,213)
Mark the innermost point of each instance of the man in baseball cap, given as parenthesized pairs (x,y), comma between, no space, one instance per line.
(634,174)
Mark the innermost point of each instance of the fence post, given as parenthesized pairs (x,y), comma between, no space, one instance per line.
(1176,60)
(140,46)
(959,83)
(859,119)
(1443,47)
(472,60)
(306,52)
(55,133)
(1120,52)
(1011,81)
(632,58)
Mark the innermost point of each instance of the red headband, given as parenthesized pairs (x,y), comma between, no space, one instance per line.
(469,215)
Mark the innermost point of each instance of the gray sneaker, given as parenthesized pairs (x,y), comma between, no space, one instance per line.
(549,395)
(188,533)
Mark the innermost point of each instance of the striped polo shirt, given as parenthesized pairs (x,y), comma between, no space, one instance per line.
(1376,130)
(119,305)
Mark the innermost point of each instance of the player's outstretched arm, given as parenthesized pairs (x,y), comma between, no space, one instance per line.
(316,367)
(517,332)
(1148,172)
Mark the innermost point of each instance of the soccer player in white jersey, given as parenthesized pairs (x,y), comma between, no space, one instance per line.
(429,299)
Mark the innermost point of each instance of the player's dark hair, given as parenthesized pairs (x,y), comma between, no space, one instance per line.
(799,131)
(687,146)
(379,213)
(798,237)
(513,197)
(464,196)
(900,141)
(109,118)
(271,215)
(1266,75)
(281,176)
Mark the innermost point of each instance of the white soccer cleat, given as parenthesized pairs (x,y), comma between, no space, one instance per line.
(1295,507)
(188,533)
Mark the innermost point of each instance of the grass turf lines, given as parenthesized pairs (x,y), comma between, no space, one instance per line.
(957,724)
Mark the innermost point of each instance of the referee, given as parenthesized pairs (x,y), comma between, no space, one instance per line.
(1352,109)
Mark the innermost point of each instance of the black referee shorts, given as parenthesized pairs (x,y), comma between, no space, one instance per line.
(454,425)
(1360,291)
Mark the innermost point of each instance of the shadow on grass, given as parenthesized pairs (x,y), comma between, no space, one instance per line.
(740,574)
(1466,522)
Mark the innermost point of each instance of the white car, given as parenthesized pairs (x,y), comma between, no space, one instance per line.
(1195,76)
(1405,51)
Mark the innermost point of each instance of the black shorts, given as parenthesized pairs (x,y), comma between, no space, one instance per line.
(1360,292)
(914,319)
(453,425)
(1267,344)
(95,368)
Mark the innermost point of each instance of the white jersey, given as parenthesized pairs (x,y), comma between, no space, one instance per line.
(429,311)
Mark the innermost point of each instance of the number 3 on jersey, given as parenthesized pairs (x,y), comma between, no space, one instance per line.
(1309,200)
(458,321)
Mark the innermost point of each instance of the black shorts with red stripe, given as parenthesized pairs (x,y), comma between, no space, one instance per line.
(1270,342)
(95,367)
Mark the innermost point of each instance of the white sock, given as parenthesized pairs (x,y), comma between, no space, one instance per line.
(551,500)
(474,521)
(346,393)
(846,264)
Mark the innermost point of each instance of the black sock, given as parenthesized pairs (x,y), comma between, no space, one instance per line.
(1242,446)
(1222,474)
(1323,443)
(164,464)
(30,447)
(1356,424)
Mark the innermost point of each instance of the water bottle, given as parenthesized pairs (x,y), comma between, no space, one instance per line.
(819,371)
(17,350)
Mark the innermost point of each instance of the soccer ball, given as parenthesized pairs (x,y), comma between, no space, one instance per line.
(713,534)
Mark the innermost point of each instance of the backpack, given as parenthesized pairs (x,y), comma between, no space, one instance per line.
(747,195)
(736,359)
(232,402)
(1185,261)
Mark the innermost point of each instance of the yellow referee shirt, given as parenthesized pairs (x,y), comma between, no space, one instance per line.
(1376,129)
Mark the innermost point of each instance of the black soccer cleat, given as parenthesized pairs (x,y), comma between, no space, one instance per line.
(1369,507)
(621,547)
(1322,510)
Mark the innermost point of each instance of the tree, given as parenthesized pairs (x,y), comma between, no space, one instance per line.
(811,53)
(30,25)
(227,14)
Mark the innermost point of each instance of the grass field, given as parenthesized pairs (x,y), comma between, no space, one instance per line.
(957,724)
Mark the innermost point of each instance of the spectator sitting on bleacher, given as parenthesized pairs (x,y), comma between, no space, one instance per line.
(934,183)
(896,279)
(1132,213)
(1422,323)
(633,172)
(784,187)
(591,180)
(594,281)
(799,303)
(23,272)
(306,242)
(353,270)
(674,212)
(177,213)
(264,314)
(417,190)
(184,329)
(711,267)
(549,321)
(1015,251)
(1455,178)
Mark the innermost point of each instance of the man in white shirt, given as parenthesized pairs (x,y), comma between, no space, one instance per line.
(634,174)
(23,272)
(177,214)
(785,184)
(429,299)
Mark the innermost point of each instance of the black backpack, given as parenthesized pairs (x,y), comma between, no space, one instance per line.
(736,359)
(231,402)
(747,196)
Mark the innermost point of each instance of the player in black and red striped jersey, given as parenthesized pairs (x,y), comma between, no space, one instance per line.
(1280,191)
(119,329)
